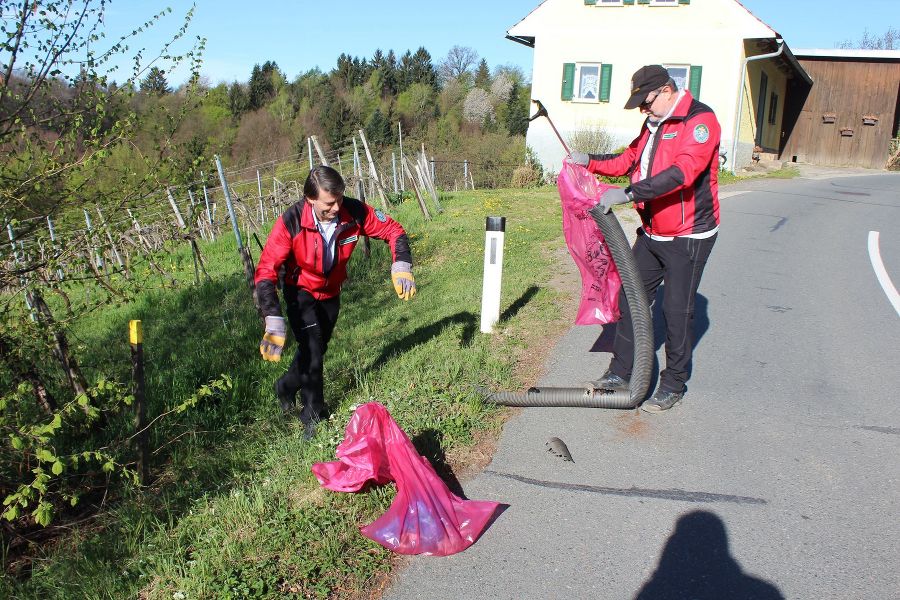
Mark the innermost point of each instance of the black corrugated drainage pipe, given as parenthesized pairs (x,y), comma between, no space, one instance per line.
(588,397)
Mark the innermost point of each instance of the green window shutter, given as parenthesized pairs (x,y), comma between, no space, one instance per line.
(590,2)
(628,2)
(568,81)
(605,79)
(694,80)
(684,1)
(643,1)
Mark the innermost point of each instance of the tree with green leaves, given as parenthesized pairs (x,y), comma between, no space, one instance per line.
(378,129)
(155,82)
(516,112)
(261,88)
(238,100)
(483,76)
(417,68)
(68,141)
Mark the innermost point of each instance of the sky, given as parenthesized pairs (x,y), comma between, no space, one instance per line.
(300,35)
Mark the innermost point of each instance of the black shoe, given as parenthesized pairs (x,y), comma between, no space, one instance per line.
(661,401)
(611,382)
(286,402)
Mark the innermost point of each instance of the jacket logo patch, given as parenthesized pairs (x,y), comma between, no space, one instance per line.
(348,240)
(380,216)
(701,134)
(669,136)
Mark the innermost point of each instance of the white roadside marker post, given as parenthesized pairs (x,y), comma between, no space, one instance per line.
(495,228)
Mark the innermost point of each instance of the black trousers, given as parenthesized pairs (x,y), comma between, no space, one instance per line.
(679,265)
(312,322)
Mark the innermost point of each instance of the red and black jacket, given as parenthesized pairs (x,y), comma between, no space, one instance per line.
(296,243)
(679,195)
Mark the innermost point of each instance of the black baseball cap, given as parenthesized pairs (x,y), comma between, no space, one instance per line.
(645,80)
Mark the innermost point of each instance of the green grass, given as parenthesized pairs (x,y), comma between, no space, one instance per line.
(234,511)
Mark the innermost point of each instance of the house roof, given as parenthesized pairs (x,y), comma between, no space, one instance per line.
(739,3)
(522,31)
(841,54)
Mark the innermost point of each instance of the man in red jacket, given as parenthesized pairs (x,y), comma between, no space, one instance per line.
(673,167)
(313,242)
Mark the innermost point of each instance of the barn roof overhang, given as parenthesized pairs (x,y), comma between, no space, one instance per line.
(786,62)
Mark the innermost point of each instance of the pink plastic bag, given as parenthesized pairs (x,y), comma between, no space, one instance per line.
(425,516)
(600,281)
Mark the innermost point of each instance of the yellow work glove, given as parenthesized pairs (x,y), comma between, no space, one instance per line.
(402,277)
(273,341)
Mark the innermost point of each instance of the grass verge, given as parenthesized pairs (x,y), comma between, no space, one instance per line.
(234,511)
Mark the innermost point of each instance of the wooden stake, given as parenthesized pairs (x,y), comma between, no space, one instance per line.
(373,170)
(318,148)
(412,180)
(136,338)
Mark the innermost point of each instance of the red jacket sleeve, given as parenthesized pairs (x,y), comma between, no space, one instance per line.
(615,165)
(278,247)
(380,226)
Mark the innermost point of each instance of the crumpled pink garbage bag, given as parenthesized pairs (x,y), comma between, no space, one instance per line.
(600,281)
(425,517)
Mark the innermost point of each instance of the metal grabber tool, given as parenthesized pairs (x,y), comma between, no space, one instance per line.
(542,112)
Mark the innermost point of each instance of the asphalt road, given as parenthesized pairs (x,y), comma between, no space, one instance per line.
(779,474)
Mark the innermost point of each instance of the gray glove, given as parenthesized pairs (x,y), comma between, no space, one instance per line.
(580,158)
(402,278)
(613,196)
(273,341)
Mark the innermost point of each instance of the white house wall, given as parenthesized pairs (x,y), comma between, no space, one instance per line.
(708,33)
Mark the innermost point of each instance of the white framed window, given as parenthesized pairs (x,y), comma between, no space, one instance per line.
(679,74)
(609,3)
(587,82)
(663,2)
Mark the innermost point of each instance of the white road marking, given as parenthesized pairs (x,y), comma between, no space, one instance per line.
(881,273)
(724,195)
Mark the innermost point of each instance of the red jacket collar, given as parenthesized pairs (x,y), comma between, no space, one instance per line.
(681,109)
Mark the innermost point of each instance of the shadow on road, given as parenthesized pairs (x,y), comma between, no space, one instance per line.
(604,343)
(696,564)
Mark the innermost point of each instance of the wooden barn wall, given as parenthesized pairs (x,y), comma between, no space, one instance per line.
(849,90)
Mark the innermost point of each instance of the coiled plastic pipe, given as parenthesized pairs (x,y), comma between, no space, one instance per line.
(638,306)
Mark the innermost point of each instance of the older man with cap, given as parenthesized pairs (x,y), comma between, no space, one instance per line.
(673,167)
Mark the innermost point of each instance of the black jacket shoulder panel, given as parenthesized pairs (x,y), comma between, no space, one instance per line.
(356,209)
(697,108)
(291,218)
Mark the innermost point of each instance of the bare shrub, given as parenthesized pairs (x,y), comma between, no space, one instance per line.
(525,176)
(593,139)
(260,137)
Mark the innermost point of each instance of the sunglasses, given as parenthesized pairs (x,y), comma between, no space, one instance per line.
(645,105)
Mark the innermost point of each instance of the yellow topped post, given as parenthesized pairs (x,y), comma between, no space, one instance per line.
(135,332)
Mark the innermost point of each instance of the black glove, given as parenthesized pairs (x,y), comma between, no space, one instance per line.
(580,158)
(613,196)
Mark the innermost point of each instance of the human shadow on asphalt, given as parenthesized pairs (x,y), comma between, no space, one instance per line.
(697,564)
(604,343)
